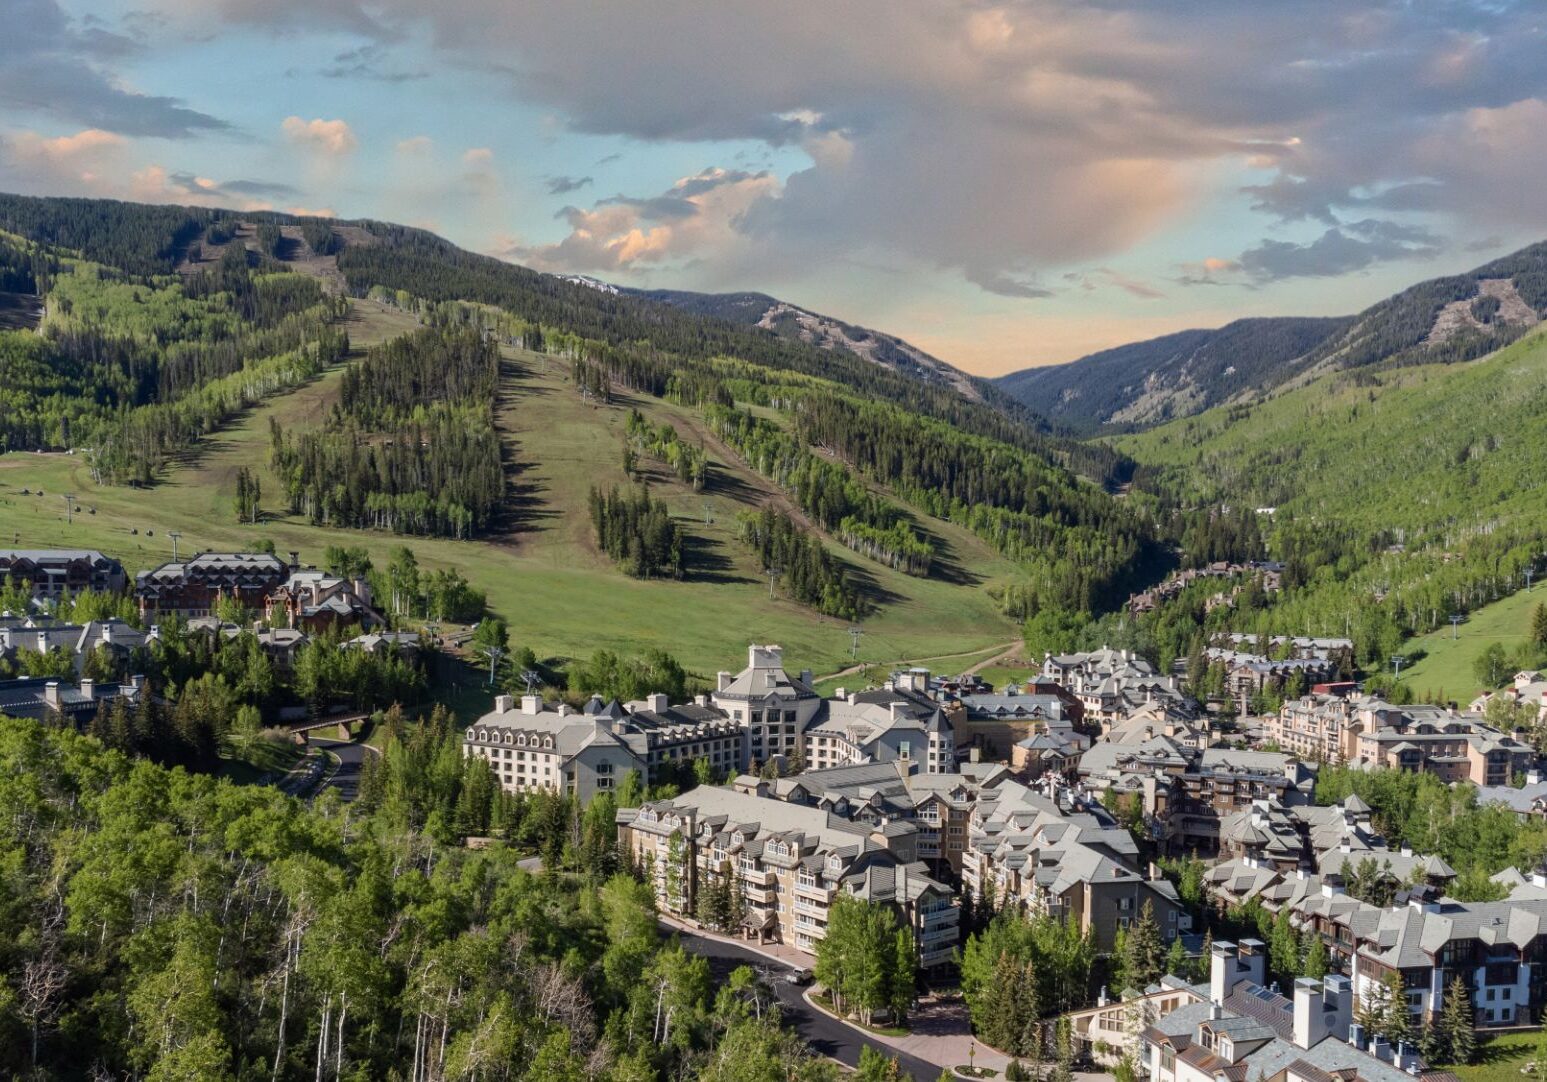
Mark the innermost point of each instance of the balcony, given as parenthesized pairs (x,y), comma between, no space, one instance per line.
(814,890)
(944,936)
(762,894)
(803,906)
(765,876)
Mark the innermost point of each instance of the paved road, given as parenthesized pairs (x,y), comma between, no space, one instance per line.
(826,1035)
(350,757)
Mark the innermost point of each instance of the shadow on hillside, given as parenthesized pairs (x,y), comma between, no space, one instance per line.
(722,482)
(868,585)
(947,566)
(706,561)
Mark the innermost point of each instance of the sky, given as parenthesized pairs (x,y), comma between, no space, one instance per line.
(1003,184)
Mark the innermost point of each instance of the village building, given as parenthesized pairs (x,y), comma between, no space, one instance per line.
(196,586)
(77,702)
(773,707)
(315,601)
(788,862)
(54,573)
(1057,852)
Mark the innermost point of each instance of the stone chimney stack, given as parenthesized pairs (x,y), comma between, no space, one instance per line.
(722,680)
(51,694)
(503,704)
(531,704)
(658,702)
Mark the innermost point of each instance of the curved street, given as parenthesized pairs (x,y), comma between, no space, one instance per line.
(826,1035)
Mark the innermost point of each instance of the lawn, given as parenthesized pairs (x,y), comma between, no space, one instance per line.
(560,596)
(265,761)
(1500,1058)
(1446,662)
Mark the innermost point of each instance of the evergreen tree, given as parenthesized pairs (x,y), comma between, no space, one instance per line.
(1143,951)
(1457,1023)
(1315,955)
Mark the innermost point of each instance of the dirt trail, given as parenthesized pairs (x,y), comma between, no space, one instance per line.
(1005,650)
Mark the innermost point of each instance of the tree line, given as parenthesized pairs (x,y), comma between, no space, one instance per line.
(806,570)
(411,447)
(637,532)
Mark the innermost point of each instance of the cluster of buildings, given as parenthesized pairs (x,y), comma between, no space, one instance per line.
(1114,685)
(759,717)
(295,603)
(1269,576)
(1374,734)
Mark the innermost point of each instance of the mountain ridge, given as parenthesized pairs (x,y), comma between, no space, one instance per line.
(1450,318)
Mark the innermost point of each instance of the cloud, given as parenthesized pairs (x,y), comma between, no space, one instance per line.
(1020,140)
(565,185)
(332,137)
(366,62)
(699,214)
(1340,250)
(54,67)
(1209,271)
(415,145)
(478,158)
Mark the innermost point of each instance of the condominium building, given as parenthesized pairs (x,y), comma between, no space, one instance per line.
(52,573)
(789,862)
(532,745)
(1060,853)
(1452,745)
(773,707)
(196,586)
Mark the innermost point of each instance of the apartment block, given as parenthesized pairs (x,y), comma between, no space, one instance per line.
(789,862)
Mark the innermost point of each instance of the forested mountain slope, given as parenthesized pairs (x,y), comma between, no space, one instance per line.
(1443,320)
(574,451)
(1398,494)
(1172,376)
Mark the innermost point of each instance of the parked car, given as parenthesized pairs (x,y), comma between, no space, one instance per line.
(798,976)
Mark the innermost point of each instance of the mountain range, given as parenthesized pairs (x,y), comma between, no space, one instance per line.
(1447,319)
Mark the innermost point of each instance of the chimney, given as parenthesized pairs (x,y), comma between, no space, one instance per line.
(295,560)
(137,681)
(806,676)
(658,702)
(565,710)
(1216,1010)
(701,700)
(1356,1035)
(531,704)
(722,680)
(1311,1020)
(51,693)
(1380,1049)
(1222,971)
(89,688)
(503,704)
(1254,954)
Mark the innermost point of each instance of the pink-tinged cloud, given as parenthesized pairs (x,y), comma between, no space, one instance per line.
(332,137)
(416,145)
